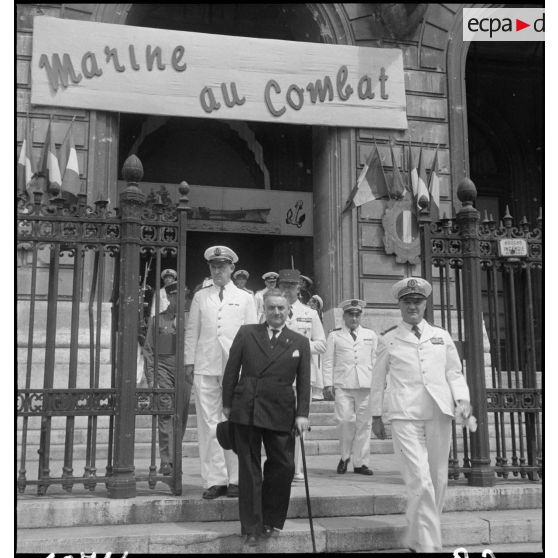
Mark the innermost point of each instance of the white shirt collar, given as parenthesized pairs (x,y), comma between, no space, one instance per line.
(226,287)
(270,333)
(409,327)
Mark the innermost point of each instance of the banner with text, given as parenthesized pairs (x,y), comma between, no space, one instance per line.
(122,68)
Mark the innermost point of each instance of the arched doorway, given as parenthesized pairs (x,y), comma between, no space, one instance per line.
(495,95)
(504,88)
(261,156)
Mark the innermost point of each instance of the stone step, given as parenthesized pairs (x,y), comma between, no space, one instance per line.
(61,376)
(332,534)
(191,449)
(144,430)
(144,421)
(332,494)
(58,435)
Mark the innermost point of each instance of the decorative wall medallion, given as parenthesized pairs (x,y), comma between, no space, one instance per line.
(401,231)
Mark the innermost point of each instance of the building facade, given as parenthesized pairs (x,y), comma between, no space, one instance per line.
(478,105)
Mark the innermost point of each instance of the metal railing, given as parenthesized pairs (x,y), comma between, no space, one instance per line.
(97,251)
(490,271)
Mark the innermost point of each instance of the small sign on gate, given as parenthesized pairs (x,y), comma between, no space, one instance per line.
(512,247)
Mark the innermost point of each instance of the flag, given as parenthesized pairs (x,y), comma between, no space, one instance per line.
(397,190)
(371,183)
(413,174)
(434,188)
(422,190)
(69,168)
(25,164)
(48,165)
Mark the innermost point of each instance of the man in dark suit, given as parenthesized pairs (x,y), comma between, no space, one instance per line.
(261,405)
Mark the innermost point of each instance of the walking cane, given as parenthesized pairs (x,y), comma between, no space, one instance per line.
(307,491)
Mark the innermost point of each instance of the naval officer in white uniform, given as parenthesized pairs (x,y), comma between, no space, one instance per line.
(418,373)
(303,320)
(216,314)
(347,368)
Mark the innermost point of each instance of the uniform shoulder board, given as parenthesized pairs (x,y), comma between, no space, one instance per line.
(206,287)
(337,329)
(438,327)
(388,330)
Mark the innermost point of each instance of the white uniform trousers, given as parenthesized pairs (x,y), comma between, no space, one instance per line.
(218,466)
(422,449)
(354,424)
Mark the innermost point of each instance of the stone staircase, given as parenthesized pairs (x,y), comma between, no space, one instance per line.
(321,440)
(351,513)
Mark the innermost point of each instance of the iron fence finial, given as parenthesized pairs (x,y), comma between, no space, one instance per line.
(132,170)
(467,192)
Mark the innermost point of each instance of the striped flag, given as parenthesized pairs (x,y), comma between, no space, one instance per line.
(413,173)
(371,183)
(434,188)
(69,163)
(25,163)
(397,190)
(422,190)
(48,165)
(406,226)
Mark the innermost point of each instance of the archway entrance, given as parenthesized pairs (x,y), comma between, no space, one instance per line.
(504,89)
(248,155)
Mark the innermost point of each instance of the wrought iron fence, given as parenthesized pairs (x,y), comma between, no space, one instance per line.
(80,310)
(487,291)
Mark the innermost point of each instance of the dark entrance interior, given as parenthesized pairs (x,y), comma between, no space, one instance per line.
(505,104)
(257,255)
(204,152)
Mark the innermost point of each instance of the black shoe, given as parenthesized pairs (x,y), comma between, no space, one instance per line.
(342,465)
(214,492)
(269,531)
(251,540)
(232,491)
(364,470)
(166,469)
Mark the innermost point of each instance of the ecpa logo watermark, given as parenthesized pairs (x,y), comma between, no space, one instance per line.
(503,24)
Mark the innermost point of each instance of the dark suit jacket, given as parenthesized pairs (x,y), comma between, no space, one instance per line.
(264,395)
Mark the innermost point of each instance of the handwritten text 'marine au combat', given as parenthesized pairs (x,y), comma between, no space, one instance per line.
(62,71)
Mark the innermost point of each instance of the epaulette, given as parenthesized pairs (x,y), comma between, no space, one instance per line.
(207,287)
(388,330)
(337,329)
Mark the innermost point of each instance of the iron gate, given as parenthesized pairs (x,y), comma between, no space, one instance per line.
(487,291)
(75,253)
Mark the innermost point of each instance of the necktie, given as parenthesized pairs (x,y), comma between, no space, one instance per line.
(221,293)
(290,313)
(416,331)
(273,339)
(353,334)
